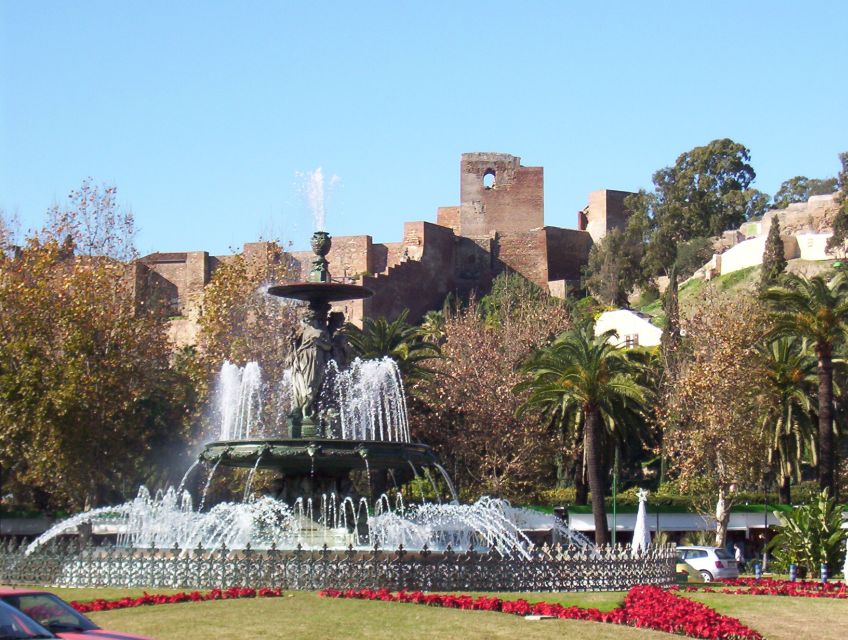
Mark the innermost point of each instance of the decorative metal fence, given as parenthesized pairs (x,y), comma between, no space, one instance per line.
(546,568)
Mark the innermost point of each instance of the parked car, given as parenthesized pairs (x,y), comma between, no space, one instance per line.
(51,612)
(15,625)
(713,563)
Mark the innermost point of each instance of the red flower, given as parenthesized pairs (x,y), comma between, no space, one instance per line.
(646,606)
(194,596)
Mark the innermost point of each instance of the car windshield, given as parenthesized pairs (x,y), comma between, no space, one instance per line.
(14,625)
(724,554)
(50,611)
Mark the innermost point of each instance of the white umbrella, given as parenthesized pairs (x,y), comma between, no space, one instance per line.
(641,533)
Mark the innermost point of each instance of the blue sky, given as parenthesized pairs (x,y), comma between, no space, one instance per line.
(203,113)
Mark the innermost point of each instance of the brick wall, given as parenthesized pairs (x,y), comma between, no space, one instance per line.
(474,264)
(166,279)
(567,252)
(448,217)
(525,253)
(197,275)
(394,253)
(604,212)
(415,284)
(515,203)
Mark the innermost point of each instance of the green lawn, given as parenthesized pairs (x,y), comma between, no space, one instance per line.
(305,615)
(783,618)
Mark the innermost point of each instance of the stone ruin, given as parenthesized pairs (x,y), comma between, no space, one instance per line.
(498,225)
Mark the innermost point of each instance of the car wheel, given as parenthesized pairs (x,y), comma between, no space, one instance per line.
(707,576)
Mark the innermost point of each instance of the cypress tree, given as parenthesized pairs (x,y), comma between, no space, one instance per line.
(774,262)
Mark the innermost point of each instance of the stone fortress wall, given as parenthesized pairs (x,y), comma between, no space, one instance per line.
(805,228)
(498,225)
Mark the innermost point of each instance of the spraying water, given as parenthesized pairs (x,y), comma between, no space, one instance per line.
(316,192)
(371,402)
(368,397)
(239,400)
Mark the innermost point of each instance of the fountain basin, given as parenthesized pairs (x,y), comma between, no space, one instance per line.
(324,456)
(321,291)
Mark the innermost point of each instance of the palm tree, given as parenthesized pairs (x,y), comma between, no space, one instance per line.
(582,372)
(432,327)
(818,310)
(398,340)
(790,371)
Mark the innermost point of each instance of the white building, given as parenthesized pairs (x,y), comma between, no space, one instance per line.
(632,329)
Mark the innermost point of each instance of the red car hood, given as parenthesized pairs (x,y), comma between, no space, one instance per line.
(100,634)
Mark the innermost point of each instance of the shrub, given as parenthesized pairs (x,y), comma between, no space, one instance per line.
(811,534)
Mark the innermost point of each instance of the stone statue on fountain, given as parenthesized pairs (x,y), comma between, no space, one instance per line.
(311,351)
(316,343)
(342,353)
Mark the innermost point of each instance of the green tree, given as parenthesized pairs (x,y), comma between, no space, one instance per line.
(801,188)
(836,243)
(817,310)
(790,373)
(432,327)
(692,255)
(774,259)
(707,191)
(613,268)
(7,234)
(240,323)
(670,355)
(403,343)
(585,373)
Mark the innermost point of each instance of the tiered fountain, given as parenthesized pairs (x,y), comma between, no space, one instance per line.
(319,453)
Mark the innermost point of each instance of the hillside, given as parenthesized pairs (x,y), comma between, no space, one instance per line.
(744,280)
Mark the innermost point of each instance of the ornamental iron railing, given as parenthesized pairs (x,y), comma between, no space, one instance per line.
(544,569)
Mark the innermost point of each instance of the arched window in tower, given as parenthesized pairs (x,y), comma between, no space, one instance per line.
(489,178)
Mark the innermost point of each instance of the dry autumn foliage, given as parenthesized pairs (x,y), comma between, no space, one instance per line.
(713,431)
(467,409)
(240,323)
(90,404)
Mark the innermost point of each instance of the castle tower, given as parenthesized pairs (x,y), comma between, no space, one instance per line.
(498,195)
(605,212)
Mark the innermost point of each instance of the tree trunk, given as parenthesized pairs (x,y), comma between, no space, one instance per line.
(785,490)
(596,480)
(722,517)
(581,489)
(561,471)
(559,458)
(826,457)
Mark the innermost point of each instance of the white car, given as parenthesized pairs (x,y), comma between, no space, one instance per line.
(713,563)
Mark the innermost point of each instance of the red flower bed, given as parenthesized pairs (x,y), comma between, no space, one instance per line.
(194,596)
(771,587)
(646,607)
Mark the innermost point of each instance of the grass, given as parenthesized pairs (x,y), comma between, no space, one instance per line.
(783,618)
(742,280)
(302,615)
